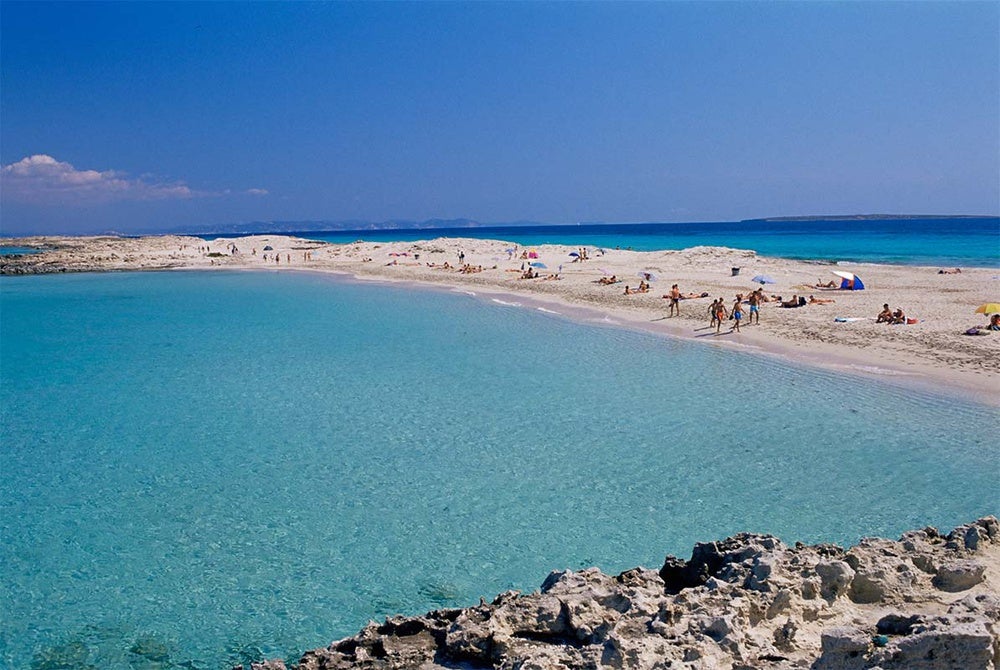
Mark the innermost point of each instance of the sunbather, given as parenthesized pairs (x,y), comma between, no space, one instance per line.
(794,302)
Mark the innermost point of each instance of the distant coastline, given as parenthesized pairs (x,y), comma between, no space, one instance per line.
(325,225)
(866,217)
(293,227)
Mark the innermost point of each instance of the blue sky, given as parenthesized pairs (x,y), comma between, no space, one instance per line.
(142,116)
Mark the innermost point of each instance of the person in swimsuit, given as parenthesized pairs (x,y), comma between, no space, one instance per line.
(754,307)
(675,300)
(737,313)
(885,316)
(720,314)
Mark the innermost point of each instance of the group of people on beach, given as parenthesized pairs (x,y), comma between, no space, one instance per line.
(642,288)
(887,315)
(748,306)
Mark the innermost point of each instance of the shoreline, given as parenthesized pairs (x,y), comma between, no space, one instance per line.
(931,355)
(866,367)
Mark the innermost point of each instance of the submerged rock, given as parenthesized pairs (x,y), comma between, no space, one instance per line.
(749,601)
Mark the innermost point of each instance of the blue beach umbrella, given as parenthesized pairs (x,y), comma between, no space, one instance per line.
(574,254)
(538,265)
(764,279)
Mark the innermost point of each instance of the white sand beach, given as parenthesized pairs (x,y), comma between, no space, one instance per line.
(932,352)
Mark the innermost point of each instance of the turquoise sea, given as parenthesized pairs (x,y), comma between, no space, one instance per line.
(11,251)
(201,469)
(946,242)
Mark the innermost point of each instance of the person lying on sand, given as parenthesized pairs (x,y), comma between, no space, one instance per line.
(885,316)
(796,301)
(613,279)
(956,271)
(552,277)
(688,296)
(820,284)
(813,300)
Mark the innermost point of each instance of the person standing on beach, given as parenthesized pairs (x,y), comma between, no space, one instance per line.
(712,313)
(737,313)
(675,300)
(720,314)
(754,307)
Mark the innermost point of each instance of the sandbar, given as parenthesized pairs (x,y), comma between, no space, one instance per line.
(933,353)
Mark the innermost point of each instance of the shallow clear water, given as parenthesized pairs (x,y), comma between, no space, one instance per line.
(14,251)
(210,467)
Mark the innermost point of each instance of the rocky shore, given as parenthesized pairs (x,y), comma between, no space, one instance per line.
(925,601)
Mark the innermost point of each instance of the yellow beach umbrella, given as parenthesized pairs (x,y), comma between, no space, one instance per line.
(989,308)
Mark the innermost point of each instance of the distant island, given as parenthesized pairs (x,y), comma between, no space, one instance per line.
(866,217)
(330,225)
(280,227)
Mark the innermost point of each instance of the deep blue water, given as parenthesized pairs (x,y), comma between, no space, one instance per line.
(200,469)
(934,242)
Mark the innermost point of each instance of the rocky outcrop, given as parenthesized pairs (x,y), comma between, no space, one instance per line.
(749,601)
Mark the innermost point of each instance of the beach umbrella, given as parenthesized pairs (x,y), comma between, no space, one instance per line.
(647,275)
(605,271)
(269,248)
(764,279)
(849,280)
(989,308)
(538,265)
(574,254)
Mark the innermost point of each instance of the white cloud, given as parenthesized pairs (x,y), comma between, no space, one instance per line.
(43,179)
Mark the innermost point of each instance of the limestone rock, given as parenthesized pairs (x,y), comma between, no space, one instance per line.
(959,575)
(746,602)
